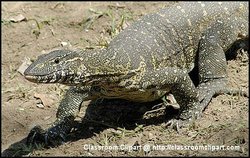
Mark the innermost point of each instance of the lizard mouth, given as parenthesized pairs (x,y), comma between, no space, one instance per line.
(55,77)
(41,78)
(31,78)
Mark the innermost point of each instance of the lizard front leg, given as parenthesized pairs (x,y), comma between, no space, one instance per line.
(67,111)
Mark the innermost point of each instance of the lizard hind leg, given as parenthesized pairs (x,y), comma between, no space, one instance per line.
(212,71)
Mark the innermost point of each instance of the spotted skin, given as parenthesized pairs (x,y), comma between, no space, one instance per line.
(145,61)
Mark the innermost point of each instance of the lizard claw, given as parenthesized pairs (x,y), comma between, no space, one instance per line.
(49,137)
(176,124)
(35,136)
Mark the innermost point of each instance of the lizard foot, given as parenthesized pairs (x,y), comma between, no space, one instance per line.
(186,117)
(50,137)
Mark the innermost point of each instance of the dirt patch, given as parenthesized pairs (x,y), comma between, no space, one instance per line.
(93,24)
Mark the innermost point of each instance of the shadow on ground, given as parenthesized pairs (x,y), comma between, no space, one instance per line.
(104,114)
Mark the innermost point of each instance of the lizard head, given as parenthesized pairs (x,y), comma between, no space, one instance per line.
(59,66)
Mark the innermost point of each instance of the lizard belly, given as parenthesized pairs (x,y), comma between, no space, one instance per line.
(132,95)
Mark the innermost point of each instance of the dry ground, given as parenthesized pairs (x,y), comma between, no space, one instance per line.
(93,24)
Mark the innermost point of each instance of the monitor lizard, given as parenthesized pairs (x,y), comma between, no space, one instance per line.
(144,62)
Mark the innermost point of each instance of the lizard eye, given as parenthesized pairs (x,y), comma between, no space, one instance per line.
(56,60)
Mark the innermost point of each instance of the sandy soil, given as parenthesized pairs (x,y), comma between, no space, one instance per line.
(91,24)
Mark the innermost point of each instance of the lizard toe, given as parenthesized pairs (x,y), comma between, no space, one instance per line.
(36,136)
(176,124)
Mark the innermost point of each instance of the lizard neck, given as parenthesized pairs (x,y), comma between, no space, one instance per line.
(98,66)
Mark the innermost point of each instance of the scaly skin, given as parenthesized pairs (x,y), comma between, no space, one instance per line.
(147,60)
